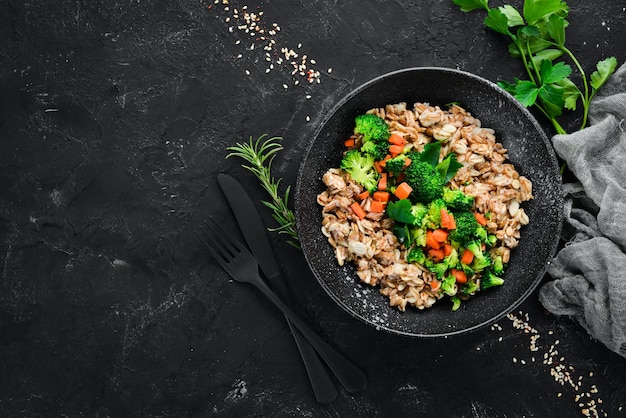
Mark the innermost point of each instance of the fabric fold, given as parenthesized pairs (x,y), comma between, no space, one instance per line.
(588,283)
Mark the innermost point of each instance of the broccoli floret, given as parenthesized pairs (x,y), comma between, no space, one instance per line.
(433,217)
(448,285)
(452,260)
(396,164)
(378,150)
(470,287)
(416,255)
(372,127)
(489,279)
(419,211)
(439,269)
(456,199)
(467,229)
(481,261)
(361,169)
(498,265)
(456,303)
(425,180)
(418,236)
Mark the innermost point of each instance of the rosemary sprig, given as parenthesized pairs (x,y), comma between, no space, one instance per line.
(259,155)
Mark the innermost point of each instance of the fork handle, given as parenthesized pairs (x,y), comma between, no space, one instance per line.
(323,387)
(351,377)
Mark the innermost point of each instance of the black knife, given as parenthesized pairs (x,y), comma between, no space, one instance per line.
(255,234)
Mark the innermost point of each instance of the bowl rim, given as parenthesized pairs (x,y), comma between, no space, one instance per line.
(541,134)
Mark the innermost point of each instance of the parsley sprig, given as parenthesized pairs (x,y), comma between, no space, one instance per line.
(538,38)
(259,155)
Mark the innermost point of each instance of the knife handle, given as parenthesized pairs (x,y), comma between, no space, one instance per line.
(351,377)
(323,388)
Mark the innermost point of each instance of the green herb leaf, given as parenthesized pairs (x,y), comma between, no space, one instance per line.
(526,92)
(604,70)
(400,211)
(513,17)
(556,29)
(534,45)
(529,31)
(401,231)
(469,5)
(552,98)
(538,10)
(539,38)
(553,73)
(508,87)
(546,54)
(430,154)
(571,93)
(448,167)
(497,21)
(260,154)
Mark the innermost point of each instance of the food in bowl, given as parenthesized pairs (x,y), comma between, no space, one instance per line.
(424,204)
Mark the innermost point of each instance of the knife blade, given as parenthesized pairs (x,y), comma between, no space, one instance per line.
(255,234)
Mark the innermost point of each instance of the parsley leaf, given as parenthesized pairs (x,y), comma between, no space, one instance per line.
(497,21)
(538,39)
(400,211)
(469,5)
(448,167)
(537,10)
(605,68)
(553,73)
(430,153)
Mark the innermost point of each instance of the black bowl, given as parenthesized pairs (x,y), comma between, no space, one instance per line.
(529,150)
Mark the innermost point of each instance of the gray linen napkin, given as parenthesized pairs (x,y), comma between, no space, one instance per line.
(590,271)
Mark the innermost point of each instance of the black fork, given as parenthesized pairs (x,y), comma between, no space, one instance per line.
(240,263)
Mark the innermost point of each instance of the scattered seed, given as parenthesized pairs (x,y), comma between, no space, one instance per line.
(564,374)
(254,24)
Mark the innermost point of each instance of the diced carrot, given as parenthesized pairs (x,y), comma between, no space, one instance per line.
(403,190)
(381,196)
(378,165)
(431,241)
(396,139)
(377,206)
(435,285)
(383,162)
(447,249)
(467,257)
(436,254)
(440,235)
(349,143)
(459,275)
(358,210)
(407,162)
(400,178)
(394,150)
(480,218)
(363,195)
(382,181)
(447,220)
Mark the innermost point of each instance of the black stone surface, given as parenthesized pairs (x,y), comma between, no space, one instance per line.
(114,120)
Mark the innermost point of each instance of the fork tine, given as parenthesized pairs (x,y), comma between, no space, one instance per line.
(213,245)
(220,236)
(204,237)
